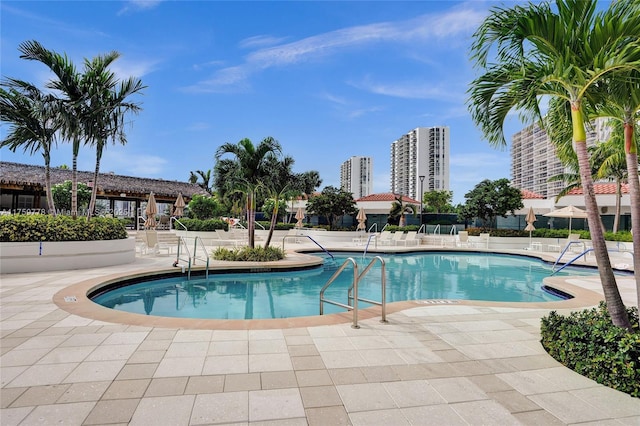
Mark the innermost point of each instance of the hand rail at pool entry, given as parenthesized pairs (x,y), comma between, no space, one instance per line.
(191,260)
(372,236)
(375,225)
(298,236)
(584,252)
(436,229)
(383,283)
(352,294)
(195,255)
(183,243)
(175,220)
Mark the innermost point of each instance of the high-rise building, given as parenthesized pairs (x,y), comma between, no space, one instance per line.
(534,159)
(423,151)
(356,176)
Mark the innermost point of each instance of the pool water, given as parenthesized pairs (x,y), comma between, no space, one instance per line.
(412,276)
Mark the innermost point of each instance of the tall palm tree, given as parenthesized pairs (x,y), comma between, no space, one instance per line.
(31,115)
(107,107)
(73,114)
(278,184)
(250,170)
(619,100)
(559,54)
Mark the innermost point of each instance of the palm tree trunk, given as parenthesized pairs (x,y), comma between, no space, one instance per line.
(47,186)
(272,224)
(612,297)
(74,187)
(634,195)
(94,190)
(616,218)
(251,219)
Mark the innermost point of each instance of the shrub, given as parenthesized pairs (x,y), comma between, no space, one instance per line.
(31,228)
(202,225)
(588,343)
(247,254)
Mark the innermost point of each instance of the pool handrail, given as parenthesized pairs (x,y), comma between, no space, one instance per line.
(173,220)
(183,242)
(423,226)
(375,225)
(372,236)
(584,253)
(436,229)
(309,237)
(383,284)
(566,247)
(352,292)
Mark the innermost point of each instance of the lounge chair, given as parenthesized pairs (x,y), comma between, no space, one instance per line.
(462,240)
(384,237)
(395,238)
(483,241)
(154,245)
(411,239)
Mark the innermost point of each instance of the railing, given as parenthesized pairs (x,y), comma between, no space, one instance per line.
(423,226)
(566,247)
(173,221)
(375,225)
(436,229)
(352,294)
(306,236)
(454,230)
(191,259)
(366,248)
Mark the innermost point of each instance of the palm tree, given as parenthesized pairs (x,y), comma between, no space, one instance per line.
(250,162)
(73,114)
(398,208)
(619,100)
(32,117)
(107,107)
(205,182)
(278,185)
(562,54)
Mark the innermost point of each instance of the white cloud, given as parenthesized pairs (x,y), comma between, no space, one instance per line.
(260,41)
(133,165)
(447,25)
(137,5)
(410,90)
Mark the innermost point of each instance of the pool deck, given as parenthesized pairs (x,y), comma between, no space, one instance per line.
(437,362)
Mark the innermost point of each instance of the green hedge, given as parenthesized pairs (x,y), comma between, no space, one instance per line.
(624,236)
(202,225)
(247,254)
(588,343)
(38,227)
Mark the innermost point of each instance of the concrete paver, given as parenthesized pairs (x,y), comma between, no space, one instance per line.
(436,363)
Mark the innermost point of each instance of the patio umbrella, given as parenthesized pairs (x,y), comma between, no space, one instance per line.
(151,211)
(531,218)
(299,217)
(568,212)
(179,206)
(361,218)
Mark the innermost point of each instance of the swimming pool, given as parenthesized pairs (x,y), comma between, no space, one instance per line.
(411,276)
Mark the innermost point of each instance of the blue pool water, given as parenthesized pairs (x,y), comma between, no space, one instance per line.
(411,276)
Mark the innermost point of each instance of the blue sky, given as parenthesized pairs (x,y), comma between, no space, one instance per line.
(327,79)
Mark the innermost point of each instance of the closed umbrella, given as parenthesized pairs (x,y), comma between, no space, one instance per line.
(568,212)
(299,217)
(531,218)
(361,218)
(151,211)
(179,206)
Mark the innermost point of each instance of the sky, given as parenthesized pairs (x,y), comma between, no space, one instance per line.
(327,79)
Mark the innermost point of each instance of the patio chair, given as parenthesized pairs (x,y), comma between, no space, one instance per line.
(395,238)
(483,241)
(154,245)
(462,239)
(384,237)
(412,238)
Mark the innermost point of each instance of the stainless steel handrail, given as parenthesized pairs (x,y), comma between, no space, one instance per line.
(352,293)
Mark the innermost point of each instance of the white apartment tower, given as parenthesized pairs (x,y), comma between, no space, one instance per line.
(421,152)
(534,160)
(356,176)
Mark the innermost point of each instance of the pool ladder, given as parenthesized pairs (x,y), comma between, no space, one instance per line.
(191,259)
(352,293)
